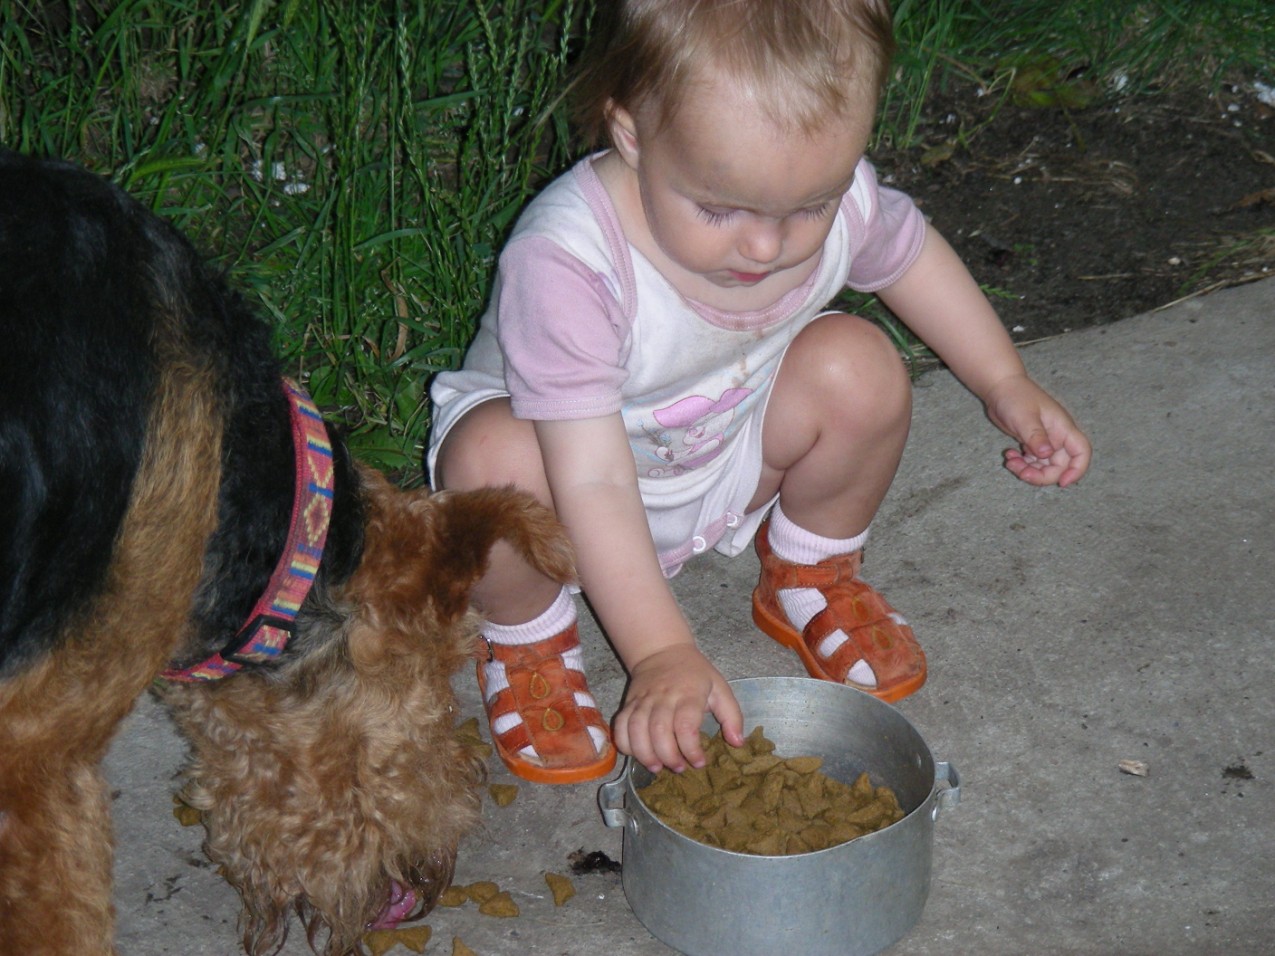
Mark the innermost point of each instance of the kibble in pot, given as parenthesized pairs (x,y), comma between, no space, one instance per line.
(750,800)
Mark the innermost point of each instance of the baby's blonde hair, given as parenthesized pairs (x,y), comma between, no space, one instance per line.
(803,60)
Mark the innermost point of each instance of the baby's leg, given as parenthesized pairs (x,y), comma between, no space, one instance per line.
(832,438)
(835,426)
(487,447)
(545,724)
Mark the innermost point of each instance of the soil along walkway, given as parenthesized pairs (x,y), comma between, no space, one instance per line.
(1128,619)
(1081,217)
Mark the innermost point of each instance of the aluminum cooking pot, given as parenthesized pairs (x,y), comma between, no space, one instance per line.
(854,899)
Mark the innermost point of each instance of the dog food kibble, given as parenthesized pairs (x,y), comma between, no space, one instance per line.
(502,794)
(502,904)
(468,734)
(186,815)
(453,896)
(491,899)
(561,887)
(750,800)
(482,891)
(381,941)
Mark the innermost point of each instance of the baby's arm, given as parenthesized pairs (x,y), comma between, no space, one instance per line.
(940,301)
(594,483)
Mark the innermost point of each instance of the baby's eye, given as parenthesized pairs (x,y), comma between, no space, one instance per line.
(714,217)
(817,212)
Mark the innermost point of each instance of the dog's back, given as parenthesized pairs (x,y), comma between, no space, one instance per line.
(110,438)
(69,447)
(97,297)
(148,471)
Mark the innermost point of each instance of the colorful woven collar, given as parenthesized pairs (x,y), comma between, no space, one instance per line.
(271,622)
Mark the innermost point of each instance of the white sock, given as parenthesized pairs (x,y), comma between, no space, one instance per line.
(553,620)
(794,543)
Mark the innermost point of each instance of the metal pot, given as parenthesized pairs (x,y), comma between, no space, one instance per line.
(854,899)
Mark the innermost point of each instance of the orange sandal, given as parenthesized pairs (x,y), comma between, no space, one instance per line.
(876,632)
(543,691)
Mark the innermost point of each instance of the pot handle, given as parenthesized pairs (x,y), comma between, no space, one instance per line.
(611,801)
(949,782)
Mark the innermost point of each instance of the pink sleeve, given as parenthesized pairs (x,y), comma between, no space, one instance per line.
(887,231)
(561,332)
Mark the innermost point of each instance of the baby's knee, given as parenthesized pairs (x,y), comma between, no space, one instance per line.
(855,357)
(488,446)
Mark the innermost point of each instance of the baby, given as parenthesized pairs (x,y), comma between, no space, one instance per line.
(656,365)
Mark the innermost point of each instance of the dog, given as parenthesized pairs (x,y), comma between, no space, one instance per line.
(172,513)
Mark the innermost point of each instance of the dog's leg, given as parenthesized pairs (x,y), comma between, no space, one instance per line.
(58,716)
(55,843)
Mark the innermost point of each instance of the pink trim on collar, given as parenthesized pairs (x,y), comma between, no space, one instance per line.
(271,622)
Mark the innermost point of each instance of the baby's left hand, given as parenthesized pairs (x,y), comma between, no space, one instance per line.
(1051,447)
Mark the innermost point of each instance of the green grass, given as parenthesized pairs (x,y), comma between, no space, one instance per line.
(1052,54)
(356,164)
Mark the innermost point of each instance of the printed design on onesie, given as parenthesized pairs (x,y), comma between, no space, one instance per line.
(692,431)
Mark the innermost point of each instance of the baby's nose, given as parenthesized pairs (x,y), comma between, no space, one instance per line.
(761,242)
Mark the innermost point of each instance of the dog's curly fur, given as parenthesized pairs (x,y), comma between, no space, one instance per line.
(147,470)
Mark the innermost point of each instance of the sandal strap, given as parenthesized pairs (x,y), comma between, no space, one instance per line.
(542,691)
(854,608)
(860,613)
(840,569)
(531,655)
(546,720)
(830,574)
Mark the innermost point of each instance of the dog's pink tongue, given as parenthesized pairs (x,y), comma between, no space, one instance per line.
(402,902)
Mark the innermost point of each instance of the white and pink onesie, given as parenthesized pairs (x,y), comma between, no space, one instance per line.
(581,325)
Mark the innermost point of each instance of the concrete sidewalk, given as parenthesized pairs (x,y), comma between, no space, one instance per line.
(1131,617)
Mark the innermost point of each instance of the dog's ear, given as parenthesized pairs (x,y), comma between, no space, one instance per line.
(469,523)
(423,553)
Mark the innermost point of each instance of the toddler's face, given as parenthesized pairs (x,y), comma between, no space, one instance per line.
(736,199)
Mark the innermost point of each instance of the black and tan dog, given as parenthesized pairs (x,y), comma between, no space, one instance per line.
(169,506)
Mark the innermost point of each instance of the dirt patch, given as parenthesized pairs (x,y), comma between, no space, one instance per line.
(1083,217)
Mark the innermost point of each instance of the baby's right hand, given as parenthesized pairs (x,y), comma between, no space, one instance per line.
(669,692)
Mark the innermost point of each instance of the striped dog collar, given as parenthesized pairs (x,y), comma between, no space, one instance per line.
(272,620)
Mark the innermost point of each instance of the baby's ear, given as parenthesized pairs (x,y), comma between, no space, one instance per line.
(623,132)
